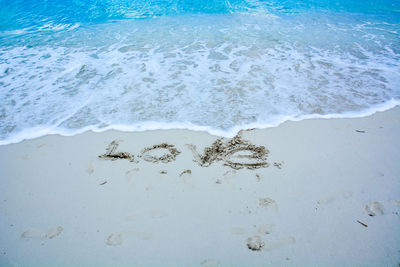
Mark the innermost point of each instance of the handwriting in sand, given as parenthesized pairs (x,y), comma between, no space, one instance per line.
(236,153)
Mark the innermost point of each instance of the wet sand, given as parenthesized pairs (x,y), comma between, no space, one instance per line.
(314,192)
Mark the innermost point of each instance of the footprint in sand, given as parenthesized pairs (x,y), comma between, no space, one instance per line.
(268,203)
(256,243)
(263,238)
(116,239)
(377,208)
(54,231)
(34,233)
(31,233)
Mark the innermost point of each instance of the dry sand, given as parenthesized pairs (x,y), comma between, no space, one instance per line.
(320,192)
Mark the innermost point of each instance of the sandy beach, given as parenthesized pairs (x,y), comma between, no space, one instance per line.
(319,192)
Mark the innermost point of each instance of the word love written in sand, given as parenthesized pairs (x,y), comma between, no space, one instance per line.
(235,153)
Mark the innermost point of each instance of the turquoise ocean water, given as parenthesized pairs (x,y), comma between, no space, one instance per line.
(70,66)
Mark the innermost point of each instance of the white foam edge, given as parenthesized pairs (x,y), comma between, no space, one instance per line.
(36,132)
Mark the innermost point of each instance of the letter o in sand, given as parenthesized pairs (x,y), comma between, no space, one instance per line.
(246,156)
(160,153)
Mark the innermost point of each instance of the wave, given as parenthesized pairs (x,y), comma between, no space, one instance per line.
(41,131)
(211,72)
(18,16)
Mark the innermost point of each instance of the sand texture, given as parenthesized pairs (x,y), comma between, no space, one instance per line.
(315,192)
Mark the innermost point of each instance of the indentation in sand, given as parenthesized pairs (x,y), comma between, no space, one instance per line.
(382,207)
(111,153)
(268,203)
(279,164)
(236,153)
(374,208)
(263,238)
(50,234)
(116,239)
(160,153)
(31,233)
(255,243)
(186,173)
(54,231)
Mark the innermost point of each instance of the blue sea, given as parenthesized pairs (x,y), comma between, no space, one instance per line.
(215,65)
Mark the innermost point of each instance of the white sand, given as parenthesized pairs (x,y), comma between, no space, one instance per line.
(61,205)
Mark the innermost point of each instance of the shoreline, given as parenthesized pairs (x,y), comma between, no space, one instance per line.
(37,132)
(322,192)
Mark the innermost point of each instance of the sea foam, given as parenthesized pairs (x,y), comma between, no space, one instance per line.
(37,132)
(211,72)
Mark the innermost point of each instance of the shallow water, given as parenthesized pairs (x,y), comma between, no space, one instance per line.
(66,67)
